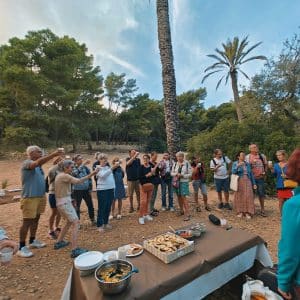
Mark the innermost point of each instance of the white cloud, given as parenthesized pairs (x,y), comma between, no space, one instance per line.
(133,69)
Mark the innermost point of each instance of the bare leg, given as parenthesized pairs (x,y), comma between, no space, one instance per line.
(196,199)
(226,194)
(186,206)
(281,202)
(262,204)
(180,202)
(74,234)
(220,197)
(24,230)
(33,228)
(120,206)
(64,231)
(58,218)
(54,213)
(113,205)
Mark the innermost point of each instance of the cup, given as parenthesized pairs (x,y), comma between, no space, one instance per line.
(6,255)
(122,252)
(112,256)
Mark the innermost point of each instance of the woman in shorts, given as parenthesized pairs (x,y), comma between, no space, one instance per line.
(55,216)
(279,171)
(63,189)
(182,172)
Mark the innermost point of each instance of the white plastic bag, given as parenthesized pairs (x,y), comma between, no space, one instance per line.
(252,287)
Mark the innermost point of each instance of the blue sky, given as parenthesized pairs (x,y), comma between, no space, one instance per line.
(122,34)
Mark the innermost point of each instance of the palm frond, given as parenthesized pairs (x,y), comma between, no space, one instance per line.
(219,82)
(217,58)
(207,75)
(216,65)
(262,57)
(244,43)
(223,54)
(248,51)
(244,74)
(226,79)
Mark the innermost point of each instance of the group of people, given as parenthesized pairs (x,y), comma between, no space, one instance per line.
(70,181)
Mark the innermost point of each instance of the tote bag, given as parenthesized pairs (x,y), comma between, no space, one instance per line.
(234,180)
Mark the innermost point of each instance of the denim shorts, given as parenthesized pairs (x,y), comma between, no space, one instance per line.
(52,200)
(222,185)
(260,183)
(198,184)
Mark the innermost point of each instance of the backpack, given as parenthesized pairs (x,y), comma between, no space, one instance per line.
(224,159)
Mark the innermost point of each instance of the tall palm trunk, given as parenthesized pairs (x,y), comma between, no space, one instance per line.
(236,97)
(168,76)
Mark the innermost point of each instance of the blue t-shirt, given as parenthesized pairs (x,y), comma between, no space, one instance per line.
(33,182)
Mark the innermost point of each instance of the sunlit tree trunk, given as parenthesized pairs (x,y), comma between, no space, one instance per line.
(236,97)
(168,76)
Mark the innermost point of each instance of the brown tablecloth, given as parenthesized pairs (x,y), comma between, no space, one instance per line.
(157,279)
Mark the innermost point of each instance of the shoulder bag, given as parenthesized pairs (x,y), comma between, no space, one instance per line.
(234,182)
(288,183)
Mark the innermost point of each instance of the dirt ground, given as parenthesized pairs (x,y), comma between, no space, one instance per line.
(44,275)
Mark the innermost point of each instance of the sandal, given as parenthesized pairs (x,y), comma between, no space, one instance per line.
(263,214)
(198,209)
(187,218)
(180,213)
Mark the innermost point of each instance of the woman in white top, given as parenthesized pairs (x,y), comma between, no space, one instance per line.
(181,173)
(105,191)
(63,184)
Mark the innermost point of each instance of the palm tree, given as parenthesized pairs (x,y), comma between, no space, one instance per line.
(168,76)
(233,55)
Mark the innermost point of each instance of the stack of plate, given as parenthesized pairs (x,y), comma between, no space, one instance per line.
(88,262)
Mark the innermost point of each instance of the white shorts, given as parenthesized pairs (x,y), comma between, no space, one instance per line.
(67,211)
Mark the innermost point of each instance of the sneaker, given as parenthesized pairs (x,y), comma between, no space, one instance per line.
(52,235)
(119,217)
(220,205)
(100,229)
(131,210)
(24,252)
(107,226)
(163,208)
(60,245)
(148,218)
(37,244)
(110,217)
(227,206)
(142,220)
(239,215)
(76,252)
(172,209)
